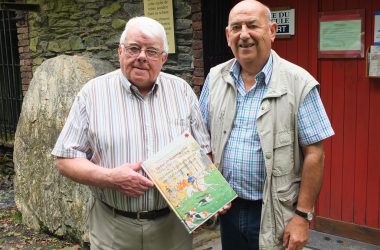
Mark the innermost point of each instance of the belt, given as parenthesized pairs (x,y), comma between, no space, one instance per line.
(144,215)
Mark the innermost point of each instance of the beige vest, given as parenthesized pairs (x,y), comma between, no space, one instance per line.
(277,128)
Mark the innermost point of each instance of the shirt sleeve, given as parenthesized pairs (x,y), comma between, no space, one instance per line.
(198,128)
(313,123)
(203,103)
(73,140)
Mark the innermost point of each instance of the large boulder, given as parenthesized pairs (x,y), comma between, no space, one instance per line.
(47,200)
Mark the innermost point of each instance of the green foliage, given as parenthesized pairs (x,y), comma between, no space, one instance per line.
(17,217)
(10,234)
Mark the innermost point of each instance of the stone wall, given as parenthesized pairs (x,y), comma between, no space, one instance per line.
(197,46)
(92,28)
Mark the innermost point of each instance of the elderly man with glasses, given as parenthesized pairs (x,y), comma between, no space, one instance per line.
(118,120)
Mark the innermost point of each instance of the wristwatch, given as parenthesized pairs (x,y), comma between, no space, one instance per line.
(307,216)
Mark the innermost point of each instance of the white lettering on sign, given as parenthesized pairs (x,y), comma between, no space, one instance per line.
(285,20)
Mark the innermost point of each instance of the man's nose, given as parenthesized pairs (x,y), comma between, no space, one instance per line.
(244,32)
(142,56)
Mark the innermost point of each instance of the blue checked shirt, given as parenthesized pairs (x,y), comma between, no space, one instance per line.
(243,161)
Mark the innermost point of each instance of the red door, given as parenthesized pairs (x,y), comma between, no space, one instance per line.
(350,197)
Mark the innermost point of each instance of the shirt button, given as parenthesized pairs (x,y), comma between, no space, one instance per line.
(224,132)
(268,155)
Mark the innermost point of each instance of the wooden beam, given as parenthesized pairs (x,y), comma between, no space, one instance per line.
(348,230)
(19,6)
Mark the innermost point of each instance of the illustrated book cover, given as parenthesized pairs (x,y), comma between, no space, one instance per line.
(188,180)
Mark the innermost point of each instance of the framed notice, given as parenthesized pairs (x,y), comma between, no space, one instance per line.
(285,19)
(341,34)
(376,33)
(373,61)
(162,11)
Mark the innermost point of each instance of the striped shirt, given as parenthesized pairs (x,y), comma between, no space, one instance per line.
(110,124)
(243,161)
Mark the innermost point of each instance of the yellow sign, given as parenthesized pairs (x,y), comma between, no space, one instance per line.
(162,11)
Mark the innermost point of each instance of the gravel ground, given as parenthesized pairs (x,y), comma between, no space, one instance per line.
(15,235)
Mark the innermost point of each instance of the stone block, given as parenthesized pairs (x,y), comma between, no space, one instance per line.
(46,199)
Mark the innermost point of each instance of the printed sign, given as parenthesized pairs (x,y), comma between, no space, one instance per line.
(162,11)
(377,28)
(285,21)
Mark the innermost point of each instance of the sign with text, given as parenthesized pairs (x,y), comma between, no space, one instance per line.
(162,11)
(285,20)
(341,34)
(377,28)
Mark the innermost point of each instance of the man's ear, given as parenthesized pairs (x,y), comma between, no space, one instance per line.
(273,29)
(165,57)
(227,30)
(119,50)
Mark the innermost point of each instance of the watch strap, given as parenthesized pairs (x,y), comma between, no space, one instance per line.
(307,216)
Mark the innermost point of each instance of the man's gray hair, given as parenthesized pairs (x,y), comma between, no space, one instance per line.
(149,27)
(268,14)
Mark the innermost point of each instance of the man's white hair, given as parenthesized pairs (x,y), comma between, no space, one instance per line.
(148,27)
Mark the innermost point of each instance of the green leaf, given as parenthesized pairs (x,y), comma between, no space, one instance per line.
(10,234)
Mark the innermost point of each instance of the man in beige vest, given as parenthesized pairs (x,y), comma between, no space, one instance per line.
(267,124)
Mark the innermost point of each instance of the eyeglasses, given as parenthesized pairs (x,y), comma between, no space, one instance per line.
(134,51)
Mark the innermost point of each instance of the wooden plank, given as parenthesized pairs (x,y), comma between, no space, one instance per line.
(349,146)
(339,5)
(303,34)
(325,72)
(313,41)
(327,99)
(280,47)
(292,50)
(337,118)
(348,230)
(326,5)
(375,7)
(373,193)
(362,138)
(310,28)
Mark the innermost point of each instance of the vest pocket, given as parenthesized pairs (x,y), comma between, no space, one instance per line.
(283,153)
(285,204)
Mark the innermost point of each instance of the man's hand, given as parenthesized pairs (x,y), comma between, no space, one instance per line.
(296,233)
(128,181)
(224,209)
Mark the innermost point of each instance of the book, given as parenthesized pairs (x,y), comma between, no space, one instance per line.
(188,180)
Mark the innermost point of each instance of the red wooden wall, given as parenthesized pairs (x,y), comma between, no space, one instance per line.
(351,189)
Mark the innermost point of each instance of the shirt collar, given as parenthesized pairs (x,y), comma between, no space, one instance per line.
(267,70)
(133,89)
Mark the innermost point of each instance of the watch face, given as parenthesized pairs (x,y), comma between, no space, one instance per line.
(309,216)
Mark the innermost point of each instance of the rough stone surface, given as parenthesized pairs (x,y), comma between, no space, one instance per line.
(46,199)
(93,28)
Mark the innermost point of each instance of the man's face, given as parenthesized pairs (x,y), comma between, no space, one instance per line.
(249,33)
(141,69)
